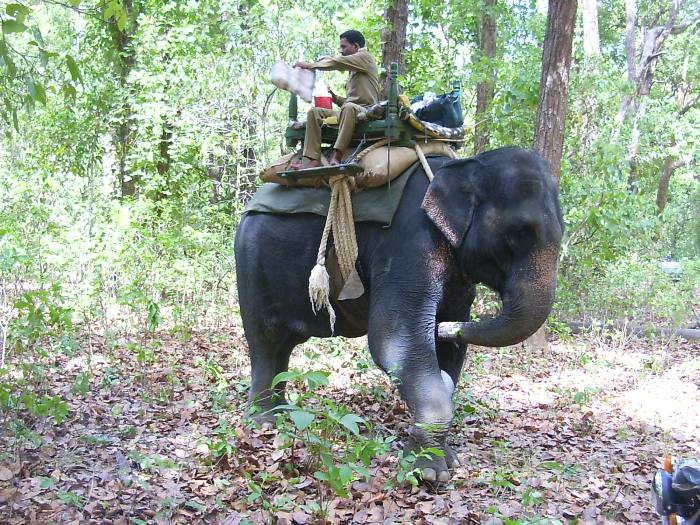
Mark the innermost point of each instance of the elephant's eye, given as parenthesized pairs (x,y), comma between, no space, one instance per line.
(524,231)
(521,234)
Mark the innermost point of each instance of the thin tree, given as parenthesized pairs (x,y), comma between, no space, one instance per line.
(554,82)
(394,38)
(551,113)
(125,61)
(591,38)
(685,101)
(485,87)
(641,66)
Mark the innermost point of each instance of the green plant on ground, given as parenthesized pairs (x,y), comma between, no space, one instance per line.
(406,470)
(40,325)
(339,453)
(222,446)
(71,499)
(260,492)
(469,406)
(532,497)
(585,396)
(151,462)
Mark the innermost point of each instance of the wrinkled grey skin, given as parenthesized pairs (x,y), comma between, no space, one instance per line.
(494,219)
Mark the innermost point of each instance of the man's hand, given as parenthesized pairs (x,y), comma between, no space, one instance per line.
(334,97)
(303,65)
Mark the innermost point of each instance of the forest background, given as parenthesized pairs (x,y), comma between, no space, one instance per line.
(133,132)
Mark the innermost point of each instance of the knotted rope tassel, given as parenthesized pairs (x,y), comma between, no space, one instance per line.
(340,221)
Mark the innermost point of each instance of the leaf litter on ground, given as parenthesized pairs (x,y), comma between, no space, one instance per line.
(572,434)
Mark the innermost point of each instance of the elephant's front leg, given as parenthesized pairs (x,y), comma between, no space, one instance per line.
(402,342)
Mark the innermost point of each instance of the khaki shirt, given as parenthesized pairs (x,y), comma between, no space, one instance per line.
(362,86)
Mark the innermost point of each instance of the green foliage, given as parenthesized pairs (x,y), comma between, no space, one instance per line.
(71,499)
(39,324)
(632,287)
(222,446)
(40,316)
(340,454)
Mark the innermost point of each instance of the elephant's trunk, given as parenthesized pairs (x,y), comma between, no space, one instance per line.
(527,300)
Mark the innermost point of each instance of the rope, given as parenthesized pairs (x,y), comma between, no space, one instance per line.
(340,222)
(424,162)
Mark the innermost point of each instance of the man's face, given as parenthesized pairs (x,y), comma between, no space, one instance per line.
(346,48)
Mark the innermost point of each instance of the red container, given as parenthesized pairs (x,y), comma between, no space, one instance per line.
(325,102)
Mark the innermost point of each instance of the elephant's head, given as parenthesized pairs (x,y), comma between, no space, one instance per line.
(500,212)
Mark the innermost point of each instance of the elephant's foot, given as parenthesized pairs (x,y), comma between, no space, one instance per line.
(264,413)
(451,457)
(434,470)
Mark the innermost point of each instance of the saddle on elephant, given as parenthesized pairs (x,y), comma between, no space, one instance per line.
(388,139)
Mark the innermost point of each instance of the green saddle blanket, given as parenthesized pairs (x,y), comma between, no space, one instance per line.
(368,204)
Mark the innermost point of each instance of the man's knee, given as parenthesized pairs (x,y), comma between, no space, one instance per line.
(314,115)
(350,109)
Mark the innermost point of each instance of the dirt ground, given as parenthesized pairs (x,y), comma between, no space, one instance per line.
(570,435)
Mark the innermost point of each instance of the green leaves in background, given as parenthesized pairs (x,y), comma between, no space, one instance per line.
(115,10)
(73,68)
(13,26)
(36,91)
(18,14)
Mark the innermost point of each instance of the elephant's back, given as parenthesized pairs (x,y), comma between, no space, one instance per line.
(274,236)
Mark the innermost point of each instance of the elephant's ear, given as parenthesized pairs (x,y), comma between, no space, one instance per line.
(450,200)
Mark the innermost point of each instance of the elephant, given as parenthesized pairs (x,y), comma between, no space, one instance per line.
(493,219)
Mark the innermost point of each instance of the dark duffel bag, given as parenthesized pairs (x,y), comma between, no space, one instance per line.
(445,110)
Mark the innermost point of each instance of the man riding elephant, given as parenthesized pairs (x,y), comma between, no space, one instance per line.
(362,90)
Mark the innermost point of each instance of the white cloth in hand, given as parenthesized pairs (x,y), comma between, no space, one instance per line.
(295,80)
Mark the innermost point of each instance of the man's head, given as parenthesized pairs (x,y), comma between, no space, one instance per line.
(350,42)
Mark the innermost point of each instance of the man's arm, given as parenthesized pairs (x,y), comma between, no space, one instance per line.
(358,62)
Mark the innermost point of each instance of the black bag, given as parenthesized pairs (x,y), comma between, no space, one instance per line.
(445,110)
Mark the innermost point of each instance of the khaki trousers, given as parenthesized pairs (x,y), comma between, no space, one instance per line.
(346,124)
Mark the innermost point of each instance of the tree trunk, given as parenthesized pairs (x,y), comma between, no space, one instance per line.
(591,39)
(554,80)
(670,166)
(166,140)
(641,73)
(484,89)
(394,40)
(664,182)
(551,114)
(125,63)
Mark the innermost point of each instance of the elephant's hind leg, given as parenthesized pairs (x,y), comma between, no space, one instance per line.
(269,355)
